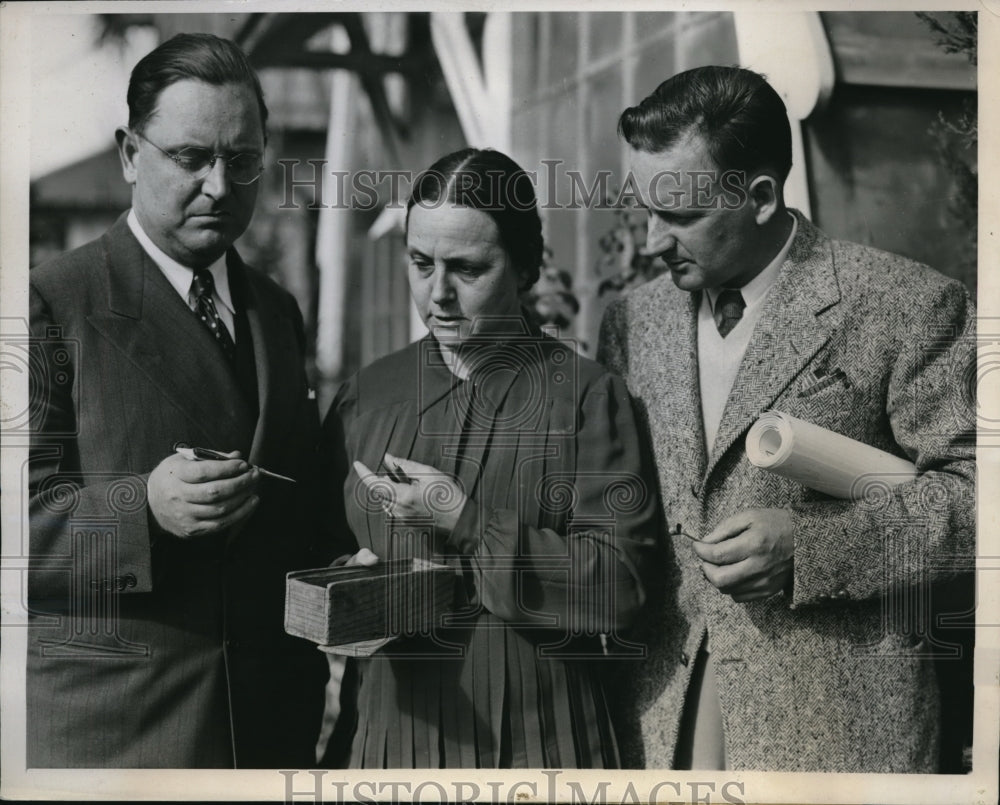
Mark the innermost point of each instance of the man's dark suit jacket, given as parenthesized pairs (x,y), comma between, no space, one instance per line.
(146,650)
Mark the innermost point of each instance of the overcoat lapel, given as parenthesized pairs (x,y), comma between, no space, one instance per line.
(790,332)
(675,370)
(149,322)
(506,366)
(495,371)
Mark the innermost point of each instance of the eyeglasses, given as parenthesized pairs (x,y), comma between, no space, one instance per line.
(241,169)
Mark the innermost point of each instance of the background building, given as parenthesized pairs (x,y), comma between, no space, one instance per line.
(352,92)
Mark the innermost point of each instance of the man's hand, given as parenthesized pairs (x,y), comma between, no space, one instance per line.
(423,492)
(200,498)
(749,555)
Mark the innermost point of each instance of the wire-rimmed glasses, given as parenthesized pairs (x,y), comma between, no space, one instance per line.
(197,162)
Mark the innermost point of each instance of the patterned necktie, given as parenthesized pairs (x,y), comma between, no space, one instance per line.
(203,286)
(728,310)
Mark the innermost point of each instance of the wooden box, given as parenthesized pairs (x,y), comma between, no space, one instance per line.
(333,606)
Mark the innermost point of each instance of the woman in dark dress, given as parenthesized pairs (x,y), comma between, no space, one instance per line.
(495,449)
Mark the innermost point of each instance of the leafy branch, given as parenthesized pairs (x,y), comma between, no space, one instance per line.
(551,300)
(958,32)
(622,261)
(957,139)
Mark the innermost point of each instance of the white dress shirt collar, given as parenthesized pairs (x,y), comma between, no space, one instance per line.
(179,276)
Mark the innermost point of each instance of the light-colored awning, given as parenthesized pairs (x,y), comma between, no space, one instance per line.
(791,49)
(480,88)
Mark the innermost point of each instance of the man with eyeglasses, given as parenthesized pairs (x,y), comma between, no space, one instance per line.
(157,581)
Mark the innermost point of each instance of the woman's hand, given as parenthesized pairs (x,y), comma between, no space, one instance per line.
(416,490)
(362,557)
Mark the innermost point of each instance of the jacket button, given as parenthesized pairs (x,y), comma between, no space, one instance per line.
(685,659)
(130,580)
(120,583)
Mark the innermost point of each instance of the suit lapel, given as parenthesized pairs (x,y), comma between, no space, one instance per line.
(278,378)
(150,324)
(789,333)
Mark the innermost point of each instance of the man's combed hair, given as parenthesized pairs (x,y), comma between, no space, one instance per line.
(199,57)
(740,117)
(490,181)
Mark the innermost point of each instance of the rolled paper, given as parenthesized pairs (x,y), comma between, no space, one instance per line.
(823,460)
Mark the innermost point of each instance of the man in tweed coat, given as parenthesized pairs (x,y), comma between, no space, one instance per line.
(776,642)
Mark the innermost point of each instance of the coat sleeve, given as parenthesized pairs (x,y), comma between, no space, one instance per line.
(915,533)
(589,573)
(334,468)
(612,345)
(65,506)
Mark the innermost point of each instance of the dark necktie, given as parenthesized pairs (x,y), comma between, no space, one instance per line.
(728,310)
(203,286)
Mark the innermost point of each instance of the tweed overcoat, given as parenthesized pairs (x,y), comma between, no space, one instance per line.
(146,650)
(835,675)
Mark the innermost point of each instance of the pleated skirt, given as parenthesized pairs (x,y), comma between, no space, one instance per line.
(482,697)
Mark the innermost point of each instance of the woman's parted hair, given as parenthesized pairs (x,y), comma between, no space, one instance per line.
(201,57)
(740,117)
(490,181)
